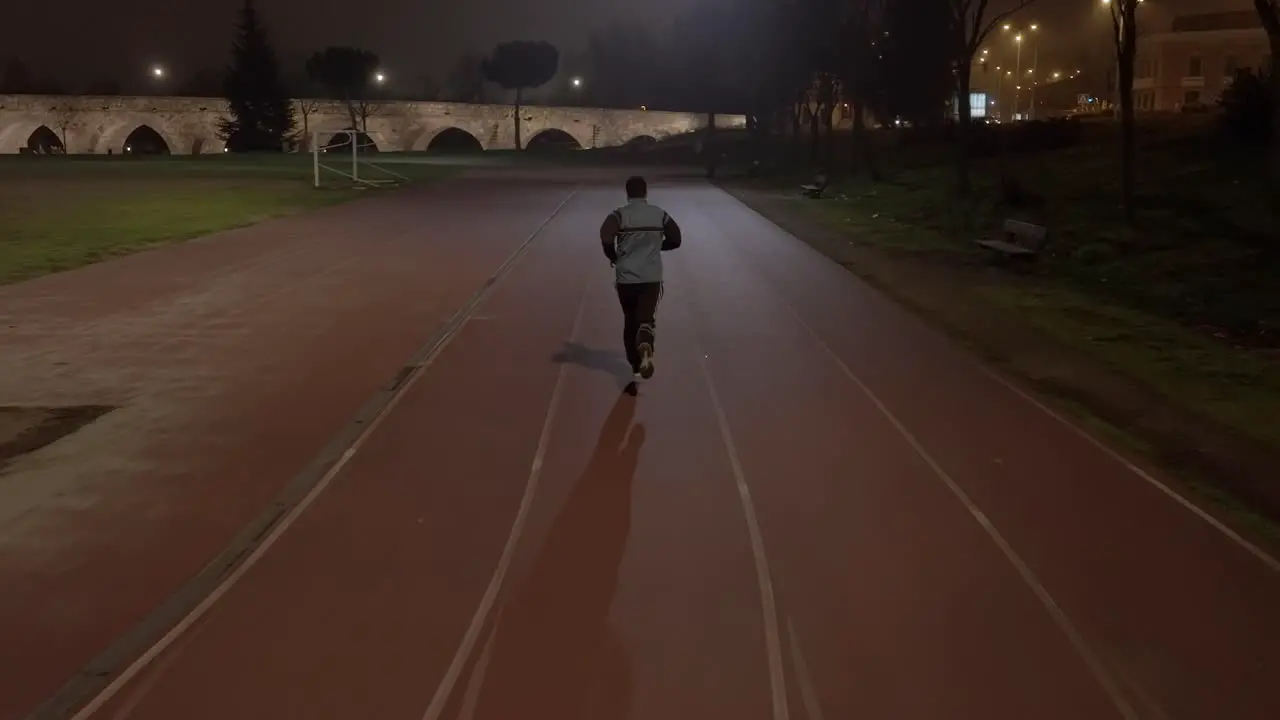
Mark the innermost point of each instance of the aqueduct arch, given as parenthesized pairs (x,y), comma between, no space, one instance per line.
(190,125)
(111,137)
(14,135)
(453,139)
(422,140)
(552,139)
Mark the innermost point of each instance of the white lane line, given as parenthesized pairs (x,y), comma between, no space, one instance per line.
(1252,549)
(1095,664)
(768,603)
(808,693)
(1267,559)
(475,683)
(230,580)
(487,601)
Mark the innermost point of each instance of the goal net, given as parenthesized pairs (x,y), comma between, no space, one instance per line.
(345,156)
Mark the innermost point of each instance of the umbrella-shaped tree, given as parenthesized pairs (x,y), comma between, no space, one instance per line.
(521,65)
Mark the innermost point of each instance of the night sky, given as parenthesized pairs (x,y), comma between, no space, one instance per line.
(79,40)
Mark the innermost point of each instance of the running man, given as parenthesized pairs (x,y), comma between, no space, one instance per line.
(634,237)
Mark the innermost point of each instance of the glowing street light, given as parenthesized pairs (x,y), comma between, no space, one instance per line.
(1017,39)
(576,82)
(157,72)
(380,77)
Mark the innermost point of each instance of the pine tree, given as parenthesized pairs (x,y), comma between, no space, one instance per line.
(261,114)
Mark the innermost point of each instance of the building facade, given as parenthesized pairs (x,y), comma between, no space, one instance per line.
(1189,51)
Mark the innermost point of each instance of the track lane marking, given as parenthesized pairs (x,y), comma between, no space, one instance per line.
(467,646)
(1095,664)
(804,679)
(282,520)
(768,600)
(1267,559)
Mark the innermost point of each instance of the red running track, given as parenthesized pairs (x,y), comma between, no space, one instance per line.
(818,508)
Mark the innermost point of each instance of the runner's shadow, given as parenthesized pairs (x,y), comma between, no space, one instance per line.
(595,359)
(554,655)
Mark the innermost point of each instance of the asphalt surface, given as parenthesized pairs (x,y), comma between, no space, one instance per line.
(817,508)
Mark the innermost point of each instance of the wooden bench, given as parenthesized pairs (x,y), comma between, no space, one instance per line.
(1022,241)
(816,188)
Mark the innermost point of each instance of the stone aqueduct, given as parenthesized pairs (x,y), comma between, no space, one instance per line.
(190,125)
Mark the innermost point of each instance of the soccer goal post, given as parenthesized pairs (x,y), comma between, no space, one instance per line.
(345,153)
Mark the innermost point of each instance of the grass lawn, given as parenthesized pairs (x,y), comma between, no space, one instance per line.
(1183,307)
(60,213)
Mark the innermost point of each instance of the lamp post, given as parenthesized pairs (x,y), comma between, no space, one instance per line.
(1033,28)
(1035,70)
(1017,89)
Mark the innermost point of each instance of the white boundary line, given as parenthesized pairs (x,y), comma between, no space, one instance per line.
(475,683)
(768,602)
(1268,560)
(808,693)
(141,663)
(1177,497)
(1096,667)
(445,689)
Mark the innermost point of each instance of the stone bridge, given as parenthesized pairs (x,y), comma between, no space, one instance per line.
(86,124)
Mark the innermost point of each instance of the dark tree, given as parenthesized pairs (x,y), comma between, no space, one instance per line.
(1247,106)
(64,115)
(427,88)
(1269,15)
(306,101)
(623,68)
(204,83)
(16,78)
(102,86)
(968,27)
(346,74)
(465,82)
(261,114)
(914,70)
(1124,25)
(521,65)
(710,52)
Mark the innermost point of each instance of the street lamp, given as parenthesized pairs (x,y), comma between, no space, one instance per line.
(379,77)
(157,72)
(576,83)
(1017,39)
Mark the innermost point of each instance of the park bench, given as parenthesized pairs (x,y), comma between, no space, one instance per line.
(816,188)
(1022,241)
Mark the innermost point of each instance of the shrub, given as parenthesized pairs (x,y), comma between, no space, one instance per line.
(1247,106)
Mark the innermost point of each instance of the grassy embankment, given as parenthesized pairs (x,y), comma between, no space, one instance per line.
(58,213)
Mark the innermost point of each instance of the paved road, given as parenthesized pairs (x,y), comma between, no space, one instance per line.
(818,508)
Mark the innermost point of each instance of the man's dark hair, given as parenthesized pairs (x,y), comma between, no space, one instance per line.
(636,187)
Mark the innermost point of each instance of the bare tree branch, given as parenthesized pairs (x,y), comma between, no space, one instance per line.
(1269,14)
